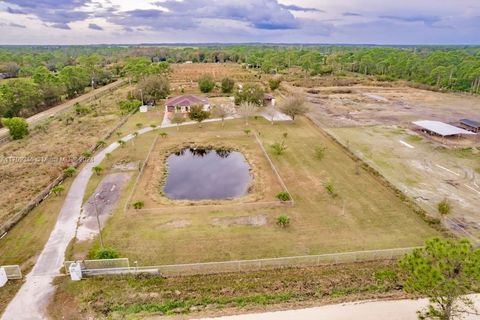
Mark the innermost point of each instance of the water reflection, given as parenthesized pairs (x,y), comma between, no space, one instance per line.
(196,174)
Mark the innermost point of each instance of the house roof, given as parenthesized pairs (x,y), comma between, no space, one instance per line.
(441,128)
(470,123)
(187,100)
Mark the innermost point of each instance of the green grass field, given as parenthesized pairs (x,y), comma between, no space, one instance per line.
(364,215)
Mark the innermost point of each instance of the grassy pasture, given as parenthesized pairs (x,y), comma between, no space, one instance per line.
(363,215)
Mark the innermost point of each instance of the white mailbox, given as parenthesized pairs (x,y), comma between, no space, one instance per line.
(75,270)
(3,277)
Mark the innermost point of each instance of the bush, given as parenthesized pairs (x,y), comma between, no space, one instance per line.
(131,105)
(227,85)
(57,190)
(283,196)
(98,170)
(279,148)
(444,207)
(274,83)
(139,205)
(283,221)
(106,253)
(247,131)
(330,188)
(18,127)
(81,110)
(206,83)
(87,154)
(70,171)
(163,134)
(320,152)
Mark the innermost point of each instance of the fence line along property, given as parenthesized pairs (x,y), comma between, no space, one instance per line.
(121,266)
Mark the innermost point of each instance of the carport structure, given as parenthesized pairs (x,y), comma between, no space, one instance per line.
(441,129)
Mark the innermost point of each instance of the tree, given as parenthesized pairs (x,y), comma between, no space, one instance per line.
(75,79)
(21,96)
(178,119)
(444,271)
(246,110)
(50,85)
(18,127)
(154,88)
(222,111)
(206,83)
(198,114)
(294,106)
(252,93)
(227,85)
(283,196)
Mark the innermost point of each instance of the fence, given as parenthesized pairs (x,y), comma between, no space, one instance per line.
(176,270)
(99,264)
(13,272)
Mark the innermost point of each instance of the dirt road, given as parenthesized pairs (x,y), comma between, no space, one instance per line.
(365,310)
(61,107)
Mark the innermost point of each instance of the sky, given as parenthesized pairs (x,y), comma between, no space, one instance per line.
(70,22)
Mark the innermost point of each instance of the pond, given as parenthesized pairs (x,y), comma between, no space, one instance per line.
(197,174)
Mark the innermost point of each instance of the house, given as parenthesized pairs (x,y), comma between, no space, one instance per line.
(268,100)
(470,125)
(182,104)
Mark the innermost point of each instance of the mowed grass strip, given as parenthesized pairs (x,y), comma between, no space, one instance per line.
(364,214)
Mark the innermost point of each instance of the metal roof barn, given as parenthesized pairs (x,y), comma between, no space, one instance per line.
(470,123)
(441,128)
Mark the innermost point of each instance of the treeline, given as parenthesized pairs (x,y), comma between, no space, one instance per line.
(450,67)
(43,79)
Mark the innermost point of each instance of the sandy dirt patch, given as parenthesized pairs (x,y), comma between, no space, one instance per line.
(258,220)
(107,195)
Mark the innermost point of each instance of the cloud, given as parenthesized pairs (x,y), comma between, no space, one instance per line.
(57,12)
(293,7)
(62,26)
(427,20)
(94,26)
(15,25)
(351,14)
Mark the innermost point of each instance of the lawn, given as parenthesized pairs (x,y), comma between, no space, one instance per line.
(364,213)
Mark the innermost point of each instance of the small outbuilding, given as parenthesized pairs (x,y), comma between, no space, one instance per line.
(470,125)
(440,128)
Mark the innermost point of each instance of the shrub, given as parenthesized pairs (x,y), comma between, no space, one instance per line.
(87,154)
(274,83)
(279,148)
(320,152)
(106,253)
(283,196)
(121,143)
(130,105)
(57,190)
(17,127)
(444,207)
(227,85)
(81,110)
(97,169)
(101,143)
(247,131)
(163,134)
(283,221)
(206,83)
(330,188)
(138,205)
(70,171)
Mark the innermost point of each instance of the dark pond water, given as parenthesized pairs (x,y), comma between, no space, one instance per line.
(196,174)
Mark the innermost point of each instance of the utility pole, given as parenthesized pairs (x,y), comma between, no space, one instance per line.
(98,220)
